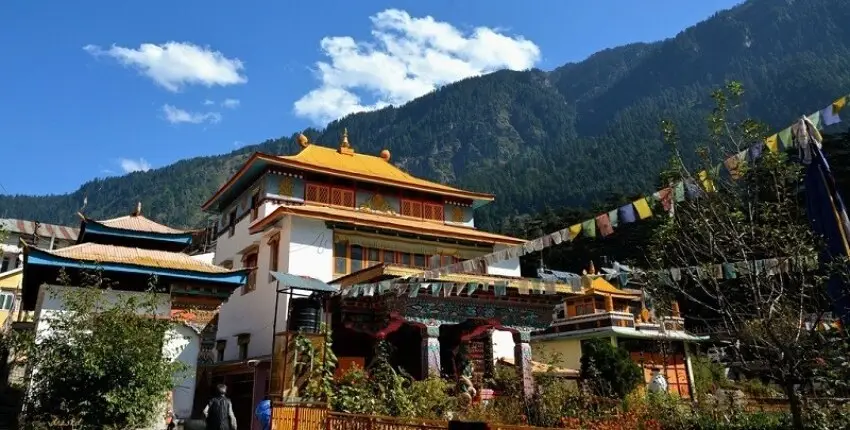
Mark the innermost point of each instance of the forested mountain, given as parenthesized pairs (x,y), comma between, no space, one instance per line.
(574,136)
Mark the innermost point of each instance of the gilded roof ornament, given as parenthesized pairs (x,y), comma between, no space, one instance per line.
(343,143)
(303,141)
(344,146)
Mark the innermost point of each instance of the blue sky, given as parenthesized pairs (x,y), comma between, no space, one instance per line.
(93,89)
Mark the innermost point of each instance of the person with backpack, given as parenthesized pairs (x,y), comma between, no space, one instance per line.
(264,413)
(219,411)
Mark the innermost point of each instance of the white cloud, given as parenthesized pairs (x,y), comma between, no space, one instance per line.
(176,115)
(208,102)
(174,65)
(408,58)
(230,103)
(130,166)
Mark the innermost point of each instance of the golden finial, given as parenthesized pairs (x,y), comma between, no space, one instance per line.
(303,140)
(385,154)
(592,269)
(343,143)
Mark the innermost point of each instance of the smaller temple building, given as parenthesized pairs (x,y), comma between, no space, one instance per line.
(659,345)
(135,253)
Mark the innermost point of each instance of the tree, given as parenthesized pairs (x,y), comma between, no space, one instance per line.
(736,223)
(101,363)
(608,371)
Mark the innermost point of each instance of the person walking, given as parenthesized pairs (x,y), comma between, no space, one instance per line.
(219,411)
(264,413)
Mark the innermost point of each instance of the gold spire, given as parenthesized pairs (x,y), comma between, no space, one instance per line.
(343,143)
(344,146)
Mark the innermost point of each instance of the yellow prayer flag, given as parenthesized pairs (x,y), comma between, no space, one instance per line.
(707,182)
(838,105)
(772,143)
(642,208)
(574,231)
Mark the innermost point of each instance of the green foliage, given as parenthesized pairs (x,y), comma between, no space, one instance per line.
(386,391)
(562,138)
(608,371)
(317,366)
(101,364)
(708,375)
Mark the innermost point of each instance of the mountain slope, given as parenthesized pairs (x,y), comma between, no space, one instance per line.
(572,136)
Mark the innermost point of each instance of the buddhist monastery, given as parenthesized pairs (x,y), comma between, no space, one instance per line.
(348,219)
(602,310)
(133,251)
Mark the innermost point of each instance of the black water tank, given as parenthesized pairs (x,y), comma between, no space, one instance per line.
(305,315)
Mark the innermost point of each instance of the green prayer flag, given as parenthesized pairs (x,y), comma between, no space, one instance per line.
(613,217)
(815,119)
(679,191)
(785,138)
(589,227)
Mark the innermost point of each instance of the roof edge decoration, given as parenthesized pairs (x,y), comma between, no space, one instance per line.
(318,159)
(366,219)
(91,226)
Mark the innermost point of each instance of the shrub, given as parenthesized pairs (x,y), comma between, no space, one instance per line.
(608,371)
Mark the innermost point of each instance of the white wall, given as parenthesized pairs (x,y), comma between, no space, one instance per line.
(183,344)
(227,247)
(306,249)
(509,267)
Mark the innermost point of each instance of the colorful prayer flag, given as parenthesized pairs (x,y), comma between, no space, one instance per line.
(707,182)
(603,223)
(829,116)
(613,218)
(626,214)
(575,229)
(589,228)
(785,138)
(816,120)
(642,208)
(679,191)
(772,143)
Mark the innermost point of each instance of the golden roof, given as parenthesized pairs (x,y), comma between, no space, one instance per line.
(599,285)
(390,222)
(140,223)
(98,253)
(369,167)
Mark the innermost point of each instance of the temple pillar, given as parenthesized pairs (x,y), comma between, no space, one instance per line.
(430,350)
(522,360)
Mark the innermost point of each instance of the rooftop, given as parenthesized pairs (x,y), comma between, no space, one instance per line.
(345,162)
(99,253)
(136,222)
(19,226)
(397,223)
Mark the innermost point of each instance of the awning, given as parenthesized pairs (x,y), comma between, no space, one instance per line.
(304,283)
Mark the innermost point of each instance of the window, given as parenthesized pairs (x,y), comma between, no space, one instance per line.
(231,223)
(332,196)
(250,262)
(352,258)
(274,254)
(411,208)
(7,300)
(5,265)
(220,345)
(431,211)
(255,205)
(243,340)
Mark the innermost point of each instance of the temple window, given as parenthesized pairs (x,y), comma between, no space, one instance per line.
(231,223)
(350,258)
(5,265)
(331,196)
(255,205)
(250,262)
(274,252)
(432,211)
(411,208)
(220,346)
(243,340)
